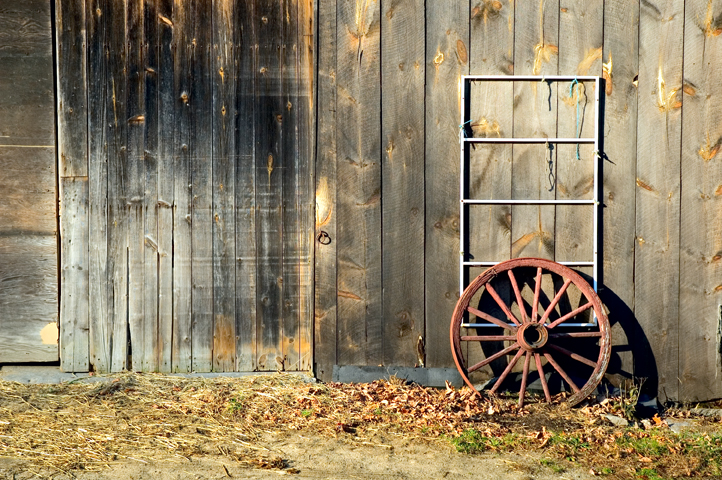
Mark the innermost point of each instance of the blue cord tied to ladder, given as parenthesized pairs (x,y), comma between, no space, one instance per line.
(571,93)
(464,125)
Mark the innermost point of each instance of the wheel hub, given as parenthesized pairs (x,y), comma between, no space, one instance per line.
(532,336)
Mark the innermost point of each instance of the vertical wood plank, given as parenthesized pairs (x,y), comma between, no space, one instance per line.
(290,172)
(74,339)
(447,35)
(72,88)
(307,31)
(224,158)
(135,183)
(581,28)
(324,334)
(152,342)
(245,182)
(73,162)
(165,188)
(100,283)
(621,49)
(358,107)
(269,196)
(402,132)
(116,123)
(488,174)
(201,169)
(658,187)
(701,210)
(536,47)
(182,292)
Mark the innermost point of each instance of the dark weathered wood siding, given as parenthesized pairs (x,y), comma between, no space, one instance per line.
(186,174)
(662,193)
(28,215)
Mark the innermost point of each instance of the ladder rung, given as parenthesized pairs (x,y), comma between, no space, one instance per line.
(471,201)
(531,78)
(491,264)
(529,140)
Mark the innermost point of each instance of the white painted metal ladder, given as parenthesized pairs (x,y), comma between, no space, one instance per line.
(466,142)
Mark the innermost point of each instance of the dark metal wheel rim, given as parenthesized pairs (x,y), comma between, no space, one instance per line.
(571,277)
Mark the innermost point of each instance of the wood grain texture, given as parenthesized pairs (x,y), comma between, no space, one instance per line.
(536,47)
(201,166)
(447,33)
(28,329)
(224,175)
(620,57)
(270,165)
(325,318)
(291,170)
(100,286)
(245,182)
(152,348)
(402,209)
(166,181)
(659,129)
(182,292)
(581,28)
(701,217)
(27,183)
(168,153)
(72,88)
(306,108)
(28,255)
(358,144)
(141,350)
(115,89)
(491,113)
(74,314)
(26,88)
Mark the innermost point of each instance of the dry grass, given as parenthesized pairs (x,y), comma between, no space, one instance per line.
(144,416)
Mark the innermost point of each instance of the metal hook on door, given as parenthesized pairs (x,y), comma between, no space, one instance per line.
(323,238)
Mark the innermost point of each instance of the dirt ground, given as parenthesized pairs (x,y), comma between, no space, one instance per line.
(316,457)
(149,426)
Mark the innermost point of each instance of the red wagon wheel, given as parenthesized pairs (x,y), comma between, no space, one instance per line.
(531,328)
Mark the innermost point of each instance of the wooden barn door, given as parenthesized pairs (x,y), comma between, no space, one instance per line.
(28,246)
(185,140)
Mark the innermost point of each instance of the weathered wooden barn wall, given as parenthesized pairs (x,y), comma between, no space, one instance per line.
(28,215)
(186,178)
(387,170)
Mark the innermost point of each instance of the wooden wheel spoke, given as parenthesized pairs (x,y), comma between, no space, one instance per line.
(501,304)
(488,360)
(573,355)
(571,314)
(506,371)
(575,335)
(542,378)
(554,302)
(524,376)
(488,338)
(561,371)
(487,317)
(537,291)
(517,293)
